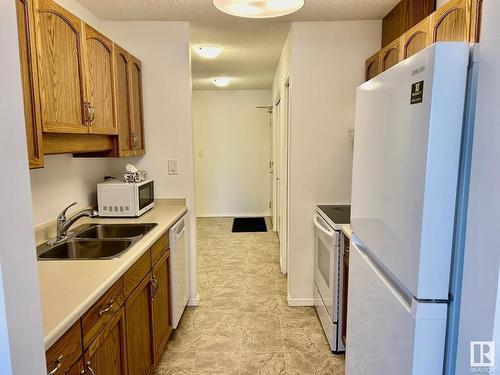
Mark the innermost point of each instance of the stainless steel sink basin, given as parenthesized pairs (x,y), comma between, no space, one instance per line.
(95,241)
(105,231)
(85,249)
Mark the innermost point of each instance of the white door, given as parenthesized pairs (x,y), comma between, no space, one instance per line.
(406,157)
(387,332)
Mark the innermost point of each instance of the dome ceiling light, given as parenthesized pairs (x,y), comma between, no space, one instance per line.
(208,52)
(222,81)
(258,8)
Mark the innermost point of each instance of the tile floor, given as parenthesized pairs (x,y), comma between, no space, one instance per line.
(244,324)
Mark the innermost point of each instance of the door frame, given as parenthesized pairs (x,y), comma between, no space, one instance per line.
(284,165)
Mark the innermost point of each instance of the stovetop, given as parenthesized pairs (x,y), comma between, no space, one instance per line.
(338,214)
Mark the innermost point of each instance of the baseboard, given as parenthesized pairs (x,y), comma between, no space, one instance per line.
(194,301)
(300,301)
(248,214)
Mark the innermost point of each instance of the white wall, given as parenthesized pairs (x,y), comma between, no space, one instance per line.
(482,255)
(327,64)
(440,3)
(64,180)
(21,342)
(233,148)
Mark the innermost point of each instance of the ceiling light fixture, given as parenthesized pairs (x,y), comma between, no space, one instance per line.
(221,81)
(208,52)
(258,8)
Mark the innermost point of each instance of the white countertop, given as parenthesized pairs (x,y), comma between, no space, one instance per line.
(68,288)
(346,229)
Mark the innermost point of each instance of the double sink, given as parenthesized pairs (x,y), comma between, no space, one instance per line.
(95,241)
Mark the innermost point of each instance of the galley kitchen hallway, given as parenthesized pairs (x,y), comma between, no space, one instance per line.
(243,324)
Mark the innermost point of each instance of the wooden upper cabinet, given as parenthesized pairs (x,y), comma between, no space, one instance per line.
(99,82)
(130,112)
(162,325)
(123,102)
(29,79)
(451,22)
(417,38)
(371,67)
(60,65)
(137,107)
(390,55)
(405,15)
(107,354)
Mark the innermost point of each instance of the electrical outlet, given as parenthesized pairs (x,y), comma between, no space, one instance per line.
(173,167)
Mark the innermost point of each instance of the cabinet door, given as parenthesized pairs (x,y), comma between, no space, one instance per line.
(100,82)
(451,22)
(162,326)
(137,108)
(390,55)
(371,67)
(139,331)
(29,79)
(60,68)
(107,354)
(123,102)
(417,38)
(77,369)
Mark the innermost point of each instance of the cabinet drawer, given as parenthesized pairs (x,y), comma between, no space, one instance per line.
(136,273)
(102,311)
(159,248)
(65,352)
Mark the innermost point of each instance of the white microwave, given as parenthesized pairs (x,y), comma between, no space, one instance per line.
(125,199)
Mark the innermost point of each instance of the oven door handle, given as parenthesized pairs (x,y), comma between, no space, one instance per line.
(329,233)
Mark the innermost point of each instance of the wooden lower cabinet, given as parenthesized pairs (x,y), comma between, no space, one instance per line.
(107,354)
(138,312)
(121,334)
(162,326)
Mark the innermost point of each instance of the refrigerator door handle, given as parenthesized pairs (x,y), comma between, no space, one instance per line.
(403,298)
(327,231)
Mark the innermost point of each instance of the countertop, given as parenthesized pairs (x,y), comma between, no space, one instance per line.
(346,229)
(68,288)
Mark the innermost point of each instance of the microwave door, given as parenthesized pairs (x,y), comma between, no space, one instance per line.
(145,195)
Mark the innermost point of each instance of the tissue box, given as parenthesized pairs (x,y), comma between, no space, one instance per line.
(134,176)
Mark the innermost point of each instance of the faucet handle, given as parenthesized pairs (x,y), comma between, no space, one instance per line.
(62,216)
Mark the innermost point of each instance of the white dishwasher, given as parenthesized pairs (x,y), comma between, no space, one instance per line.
(179,267)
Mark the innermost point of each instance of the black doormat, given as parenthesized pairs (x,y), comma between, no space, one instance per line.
(249,224)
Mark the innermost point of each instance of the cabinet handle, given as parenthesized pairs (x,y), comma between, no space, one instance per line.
(90,368)
(132,140)
(107,309)
(92,112)
(154,287)
(58,366)
(86,114)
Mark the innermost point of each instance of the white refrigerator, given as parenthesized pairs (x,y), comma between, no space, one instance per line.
(407,191)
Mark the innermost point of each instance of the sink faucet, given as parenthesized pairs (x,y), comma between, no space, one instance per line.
(63,223)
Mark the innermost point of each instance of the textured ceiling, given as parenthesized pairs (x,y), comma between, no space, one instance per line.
(251,47)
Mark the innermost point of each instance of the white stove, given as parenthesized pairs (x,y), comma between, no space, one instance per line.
(328,253)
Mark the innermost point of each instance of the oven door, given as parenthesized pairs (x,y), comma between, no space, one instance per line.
(145,196)
(326,266)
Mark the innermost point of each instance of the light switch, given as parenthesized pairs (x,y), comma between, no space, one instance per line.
(200,153)
(173,167)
